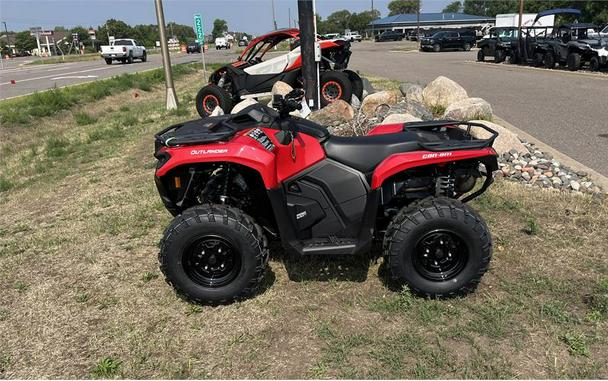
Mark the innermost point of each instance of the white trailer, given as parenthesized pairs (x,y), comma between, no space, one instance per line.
(512,19)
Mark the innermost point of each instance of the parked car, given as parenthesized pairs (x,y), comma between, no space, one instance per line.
(243,42)
(448,40)
(332,36)
(496,45)
(353,36)
(193,47)
(390,35)
(124,50)
(221,43)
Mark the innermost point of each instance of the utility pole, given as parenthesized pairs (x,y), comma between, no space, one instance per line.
(289,16)
(306,18)
(373,19)
(8,40)
(418,22)
(160,17)
(172,34)
(519,36)
(274,19)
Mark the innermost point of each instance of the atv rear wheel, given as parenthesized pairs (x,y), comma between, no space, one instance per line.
(213,254)
(211,96)
(549,60)
(335,85)
(574,61)
(439,247)
(481,56)
(513,57)
(356,83)
(499,56)
(538,59)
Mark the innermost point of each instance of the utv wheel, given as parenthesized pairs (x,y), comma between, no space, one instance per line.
(356,83)
(436,48)
(466,47)
(574,61)
(108,61)
(481,56)
(211,96)
(549,60)
(513,57)
(439,247)
(594,63)
(499,56)
(213,254)
(537,61)
(335,85)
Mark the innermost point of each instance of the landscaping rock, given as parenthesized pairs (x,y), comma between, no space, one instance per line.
(355,102)
(506,142)
(411,92)
(400,118)
(367,87)
(280,88)
(217,111)
(371,102)
(243,104)
(442,92)
(334,114)
(416,109)
(469,109)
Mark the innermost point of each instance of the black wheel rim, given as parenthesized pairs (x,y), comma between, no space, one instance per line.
(440,255)
(211,261)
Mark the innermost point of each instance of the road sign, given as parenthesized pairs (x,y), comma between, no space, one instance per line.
(198,28)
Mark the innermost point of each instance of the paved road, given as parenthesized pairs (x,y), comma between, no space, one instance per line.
(31,78)
(568,111)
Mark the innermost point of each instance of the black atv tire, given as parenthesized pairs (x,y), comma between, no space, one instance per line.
(574,61)
(144,57)
(130,58)
(538,59)
(499,56)
(458,238)
(211,96)
(436,48)
(335,85)
(513,57)
(594,63)
(239,270)
(466,47)
(108,61)
(549,60)
(356,84)
(481,56)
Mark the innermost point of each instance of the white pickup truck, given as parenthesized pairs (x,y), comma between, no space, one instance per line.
(352,36)
(123,50)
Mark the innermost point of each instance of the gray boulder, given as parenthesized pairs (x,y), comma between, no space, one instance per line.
(412,92)
(442,92)
(242,104)
(371,103)
(418,110)
(335,113)
(469,109)
(281,88)
(400,118)
(367,87)
(506,141)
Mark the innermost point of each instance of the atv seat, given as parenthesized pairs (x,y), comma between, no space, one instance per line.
(364,153)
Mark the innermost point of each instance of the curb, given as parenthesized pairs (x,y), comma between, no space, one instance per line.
(597,177)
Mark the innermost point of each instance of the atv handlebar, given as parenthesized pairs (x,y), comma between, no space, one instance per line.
(288,103)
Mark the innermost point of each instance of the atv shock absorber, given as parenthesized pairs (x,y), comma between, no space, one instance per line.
(444,185)
(224,196)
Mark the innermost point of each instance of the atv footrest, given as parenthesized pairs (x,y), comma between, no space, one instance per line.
(331,245)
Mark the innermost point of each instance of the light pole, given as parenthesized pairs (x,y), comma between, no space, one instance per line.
(160,17)
(8,40)
(274,19)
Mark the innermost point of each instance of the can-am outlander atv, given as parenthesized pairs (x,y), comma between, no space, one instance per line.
(232,180)
(254,74)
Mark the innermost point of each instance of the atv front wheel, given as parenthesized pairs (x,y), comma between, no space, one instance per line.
(439,247)
(594,63)
(213,254)
(549,60)
(335,85)
(499,56)
(513,57)
(574,61)
(211,96)
(538,59)
(481,56)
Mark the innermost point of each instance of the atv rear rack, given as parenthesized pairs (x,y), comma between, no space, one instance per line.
(459,138)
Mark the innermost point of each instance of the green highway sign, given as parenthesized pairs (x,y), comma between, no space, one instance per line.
(198,28)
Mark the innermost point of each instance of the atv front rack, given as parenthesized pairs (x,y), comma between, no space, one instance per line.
(459,138)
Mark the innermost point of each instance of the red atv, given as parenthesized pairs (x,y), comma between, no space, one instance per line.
(232,180)
(252,76)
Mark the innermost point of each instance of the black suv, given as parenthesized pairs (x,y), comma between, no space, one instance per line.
(448,40)
(390,35)
(500,41)
(193,47)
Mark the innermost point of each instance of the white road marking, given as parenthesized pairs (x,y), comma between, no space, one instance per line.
(74,77)
(49,76)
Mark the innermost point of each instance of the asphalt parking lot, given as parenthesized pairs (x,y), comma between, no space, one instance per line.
(568,111)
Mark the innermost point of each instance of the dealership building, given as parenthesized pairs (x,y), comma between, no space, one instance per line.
(430,21)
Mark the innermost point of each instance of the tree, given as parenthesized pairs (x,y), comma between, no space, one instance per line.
(83,34)
(360,21)
(220,28)
(453,7)
(339,21)
(25,42)
(113,27)
(184,33)
(397,7)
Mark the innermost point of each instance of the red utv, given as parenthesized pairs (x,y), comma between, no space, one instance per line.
(233,180)
(254,74)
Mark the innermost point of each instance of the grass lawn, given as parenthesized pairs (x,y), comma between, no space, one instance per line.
(82,295)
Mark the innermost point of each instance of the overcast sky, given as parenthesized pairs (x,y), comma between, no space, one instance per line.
(252,16)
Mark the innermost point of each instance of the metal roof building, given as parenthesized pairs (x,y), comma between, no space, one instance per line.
(408,21)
